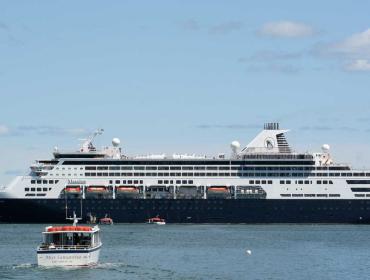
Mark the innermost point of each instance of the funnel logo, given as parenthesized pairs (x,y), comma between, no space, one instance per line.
(269,143)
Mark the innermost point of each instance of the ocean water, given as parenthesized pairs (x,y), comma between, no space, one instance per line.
(192,251)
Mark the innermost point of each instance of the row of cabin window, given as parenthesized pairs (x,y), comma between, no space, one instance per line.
(159,182)
(188,174)
(126,182)
(257,182)
(75,175)
(248,168)
(307,182)
(309,195)
(184,182)
(44,182)
(69,168)
(35,194)
(362,195)
(36,189)
(224,174)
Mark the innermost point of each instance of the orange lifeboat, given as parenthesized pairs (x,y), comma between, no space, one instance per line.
(218,189)
(52,229)
(97,189)
(70,228)
(127,189)
(83,228)
(73,189)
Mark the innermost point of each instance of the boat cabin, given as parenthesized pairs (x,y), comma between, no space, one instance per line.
(70,237)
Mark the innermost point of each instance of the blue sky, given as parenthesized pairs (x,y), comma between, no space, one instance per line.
(182,76)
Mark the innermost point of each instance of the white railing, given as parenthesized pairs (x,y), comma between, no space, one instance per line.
(64,247)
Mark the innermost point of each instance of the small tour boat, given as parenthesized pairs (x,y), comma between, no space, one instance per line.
(156,220)
(69,246)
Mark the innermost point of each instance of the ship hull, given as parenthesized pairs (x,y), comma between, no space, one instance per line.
(188,210)
(68,257)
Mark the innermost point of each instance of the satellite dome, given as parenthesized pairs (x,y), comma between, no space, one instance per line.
(116,142)
(325,148)
(235,145)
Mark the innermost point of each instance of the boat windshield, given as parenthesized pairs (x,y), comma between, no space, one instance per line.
(68,239)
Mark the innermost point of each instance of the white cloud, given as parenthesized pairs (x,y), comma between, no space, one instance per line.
(353,52)
(358,65)
(357,44)
(287,29)
(3,129)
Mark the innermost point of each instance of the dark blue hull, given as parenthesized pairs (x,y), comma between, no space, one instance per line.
(188,210)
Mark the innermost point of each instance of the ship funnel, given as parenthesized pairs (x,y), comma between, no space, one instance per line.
(271,126)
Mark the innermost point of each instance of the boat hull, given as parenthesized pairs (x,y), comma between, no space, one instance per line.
(68,257)
(189,210)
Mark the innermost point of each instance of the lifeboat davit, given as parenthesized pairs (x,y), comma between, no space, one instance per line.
(73,189)
(97,189)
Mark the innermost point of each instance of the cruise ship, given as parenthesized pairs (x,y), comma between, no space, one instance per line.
(264,182)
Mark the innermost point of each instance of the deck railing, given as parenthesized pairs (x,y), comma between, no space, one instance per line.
(64,247)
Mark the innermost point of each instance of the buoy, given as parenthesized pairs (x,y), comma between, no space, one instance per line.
(249,252)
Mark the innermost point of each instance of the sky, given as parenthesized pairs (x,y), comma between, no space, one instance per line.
(182,76)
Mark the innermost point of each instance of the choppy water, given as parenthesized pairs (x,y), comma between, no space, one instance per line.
(202,252)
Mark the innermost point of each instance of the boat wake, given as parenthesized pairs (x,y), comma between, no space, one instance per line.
(113,268)
(110,265)
(97,266)
(142,271)
(24,265)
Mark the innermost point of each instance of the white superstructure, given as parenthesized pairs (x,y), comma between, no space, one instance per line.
(267,168)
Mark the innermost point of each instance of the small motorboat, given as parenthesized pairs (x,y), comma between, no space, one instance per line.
(106,220)
(69,246)
(156,220)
